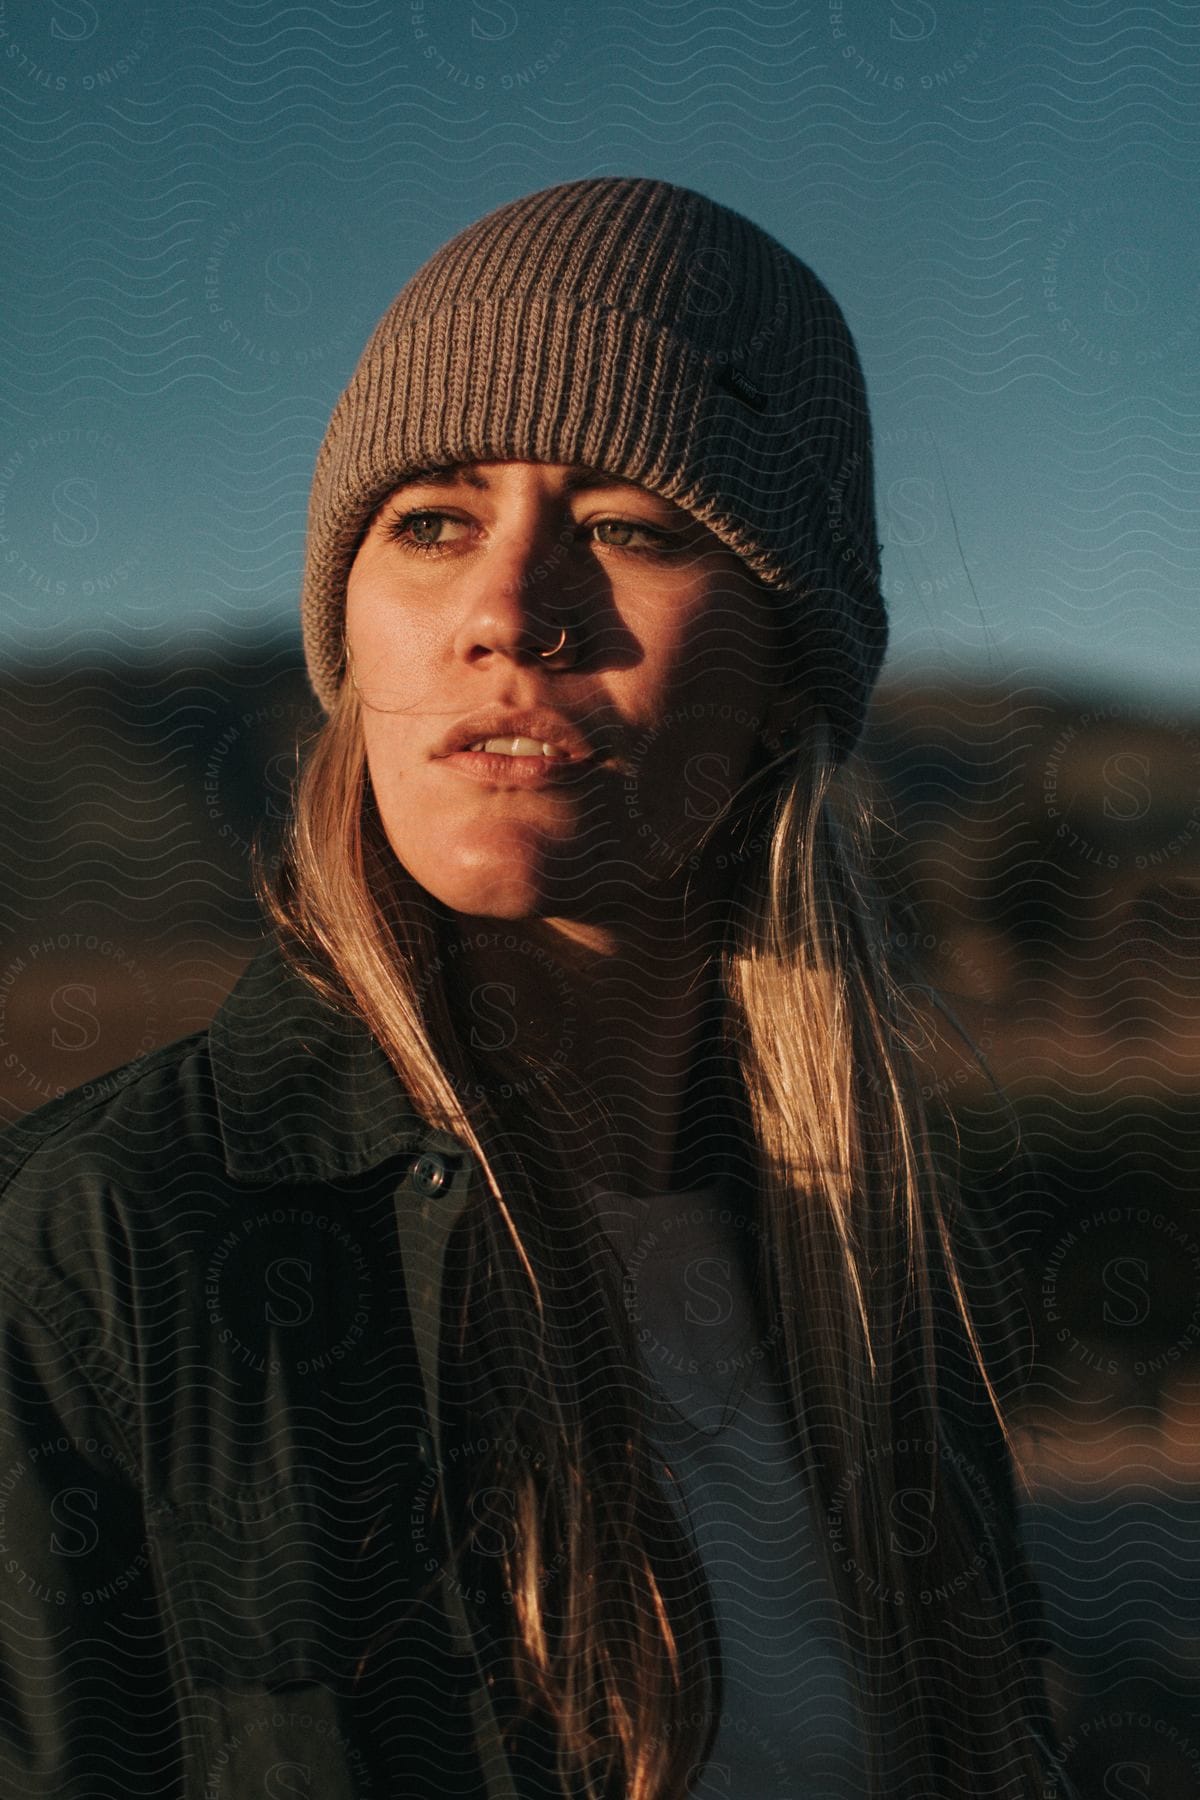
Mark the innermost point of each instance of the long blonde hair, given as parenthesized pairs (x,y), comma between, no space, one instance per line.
(863,1250)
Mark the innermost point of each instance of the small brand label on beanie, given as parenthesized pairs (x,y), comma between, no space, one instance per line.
(742,388)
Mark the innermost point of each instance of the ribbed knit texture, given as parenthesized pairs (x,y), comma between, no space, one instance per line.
(643,329)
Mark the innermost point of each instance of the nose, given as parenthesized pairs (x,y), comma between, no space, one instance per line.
(517,593)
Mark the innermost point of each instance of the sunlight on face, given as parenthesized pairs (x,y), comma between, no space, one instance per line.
(664,684)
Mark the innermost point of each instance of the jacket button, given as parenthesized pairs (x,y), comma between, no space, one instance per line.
(429,1174)
(424,1448)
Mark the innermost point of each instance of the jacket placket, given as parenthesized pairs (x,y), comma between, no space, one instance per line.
(429,1202)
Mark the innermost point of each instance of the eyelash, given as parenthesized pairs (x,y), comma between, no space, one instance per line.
(396,530)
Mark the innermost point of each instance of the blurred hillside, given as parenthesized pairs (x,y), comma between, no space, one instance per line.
(1042,851)
(1048,847)
(129,796)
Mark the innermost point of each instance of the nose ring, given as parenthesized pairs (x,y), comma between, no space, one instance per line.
(562,640)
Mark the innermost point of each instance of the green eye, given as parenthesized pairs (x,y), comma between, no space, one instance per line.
(410,530)
(660,542)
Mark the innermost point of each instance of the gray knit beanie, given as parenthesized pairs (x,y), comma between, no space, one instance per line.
(643,329)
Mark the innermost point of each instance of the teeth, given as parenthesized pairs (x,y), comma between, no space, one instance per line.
(518,746)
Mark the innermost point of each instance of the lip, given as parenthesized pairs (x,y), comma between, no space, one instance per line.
(493,767)
(539,722)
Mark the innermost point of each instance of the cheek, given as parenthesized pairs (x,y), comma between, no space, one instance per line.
(394,763)
(393,654)
(716,646)
(691,774)
(372,625)
(718,755)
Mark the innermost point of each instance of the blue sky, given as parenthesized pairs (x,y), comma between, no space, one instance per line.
(207,207)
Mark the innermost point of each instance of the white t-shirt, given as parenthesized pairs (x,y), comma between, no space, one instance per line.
(790,1727)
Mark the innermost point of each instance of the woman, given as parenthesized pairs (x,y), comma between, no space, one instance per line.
(524,1345)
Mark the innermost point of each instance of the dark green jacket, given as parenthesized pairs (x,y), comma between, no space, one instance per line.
(220,1278)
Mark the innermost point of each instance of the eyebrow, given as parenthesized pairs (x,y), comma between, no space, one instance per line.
(468,475)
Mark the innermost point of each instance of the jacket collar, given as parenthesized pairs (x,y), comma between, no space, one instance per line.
(303,1090)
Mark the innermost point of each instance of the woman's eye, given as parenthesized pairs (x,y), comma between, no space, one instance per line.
(659,542)
(418,530)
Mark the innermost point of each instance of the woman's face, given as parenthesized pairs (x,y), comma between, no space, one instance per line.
(666,679)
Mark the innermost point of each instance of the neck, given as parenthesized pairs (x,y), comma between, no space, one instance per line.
(628,1011)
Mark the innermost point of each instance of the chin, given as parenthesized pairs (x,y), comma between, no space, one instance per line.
(488,889)
(499,900)
(504,869)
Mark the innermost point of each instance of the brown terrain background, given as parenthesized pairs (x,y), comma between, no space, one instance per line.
(1041,851)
